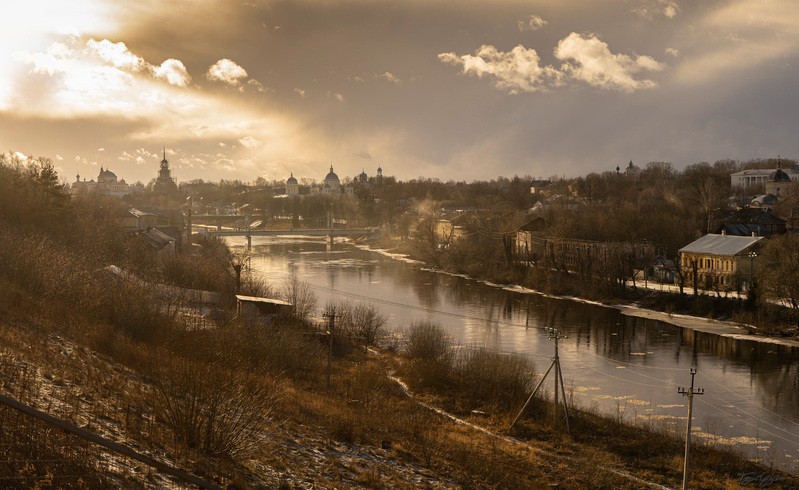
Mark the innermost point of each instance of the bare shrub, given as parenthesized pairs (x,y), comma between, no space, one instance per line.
(302,299)
(431,356)
(502,380)
(361,321)
(208,407)
(278,350)
(423,435)
(253,285)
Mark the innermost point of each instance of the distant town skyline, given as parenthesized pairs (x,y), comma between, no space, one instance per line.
(448,90)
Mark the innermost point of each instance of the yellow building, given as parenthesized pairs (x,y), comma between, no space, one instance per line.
(720,261)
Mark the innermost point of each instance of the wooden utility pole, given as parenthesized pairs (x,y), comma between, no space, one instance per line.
(553,334)
(690,394)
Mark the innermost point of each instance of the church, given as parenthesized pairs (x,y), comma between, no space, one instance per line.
(165,183)
(107,183)
(331,185)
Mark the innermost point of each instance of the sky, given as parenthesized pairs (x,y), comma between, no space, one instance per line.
(467,90)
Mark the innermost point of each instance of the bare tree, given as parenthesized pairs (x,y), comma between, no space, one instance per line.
(302,299)
(778,274)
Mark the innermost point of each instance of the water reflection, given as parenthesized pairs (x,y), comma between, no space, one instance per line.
(612,361)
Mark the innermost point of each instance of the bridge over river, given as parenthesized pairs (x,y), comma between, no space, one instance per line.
(328,233)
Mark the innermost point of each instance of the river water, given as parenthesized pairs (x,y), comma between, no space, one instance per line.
(621,365)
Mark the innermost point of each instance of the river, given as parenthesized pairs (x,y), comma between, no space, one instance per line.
(621,365)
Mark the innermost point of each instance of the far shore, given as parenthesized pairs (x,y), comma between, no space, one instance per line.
(717,327)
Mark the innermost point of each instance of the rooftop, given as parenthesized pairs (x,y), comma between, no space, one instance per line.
(720,244)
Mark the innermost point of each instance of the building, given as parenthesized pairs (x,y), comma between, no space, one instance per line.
(779,183)
(759,176)
(720,261)
(106,183)
(632,171)
(292,186)
(454,226)
(331,185)
(529,240)
(751,221)
(165,182)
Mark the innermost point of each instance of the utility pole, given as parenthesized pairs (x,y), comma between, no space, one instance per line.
(690,394)
(330,314)
(553,334)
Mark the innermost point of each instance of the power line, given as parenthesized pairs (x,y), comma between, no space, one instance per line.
(747,401)
(748,423)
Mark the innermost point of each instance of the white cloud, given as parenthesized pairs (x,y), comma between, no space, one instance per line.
(533,23)
(250,142)
(517,70)
(116,54)
(390,77)
(174,72)
(336,96)
(58,157)
(586,59)
(657,9)
(70,81)
(226,71)
(674,53)
(590,60)
(300,92)
(256,85)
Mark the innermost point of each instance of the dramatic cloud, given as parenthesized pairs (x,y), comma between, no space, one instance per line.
(226,71)
(533,23)
(94,80)
(84,74)
(590,60)
(586,58)
(174,72)
(517,70)
(116,54)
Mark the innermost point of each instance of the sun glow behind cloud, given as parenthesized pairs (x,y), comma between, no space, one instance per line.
(72,76)
(36,24)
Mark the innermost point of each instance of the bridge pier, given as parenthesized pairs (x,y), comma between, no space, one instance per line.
(329,242)
(249,235)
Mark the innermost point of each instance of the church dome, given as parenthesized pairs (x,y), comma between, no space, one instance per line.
(291,180)
(780,176)
(331,175)
(106,176)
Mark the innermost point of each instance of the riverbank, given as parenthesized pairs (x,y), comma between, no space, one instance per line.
(706,323)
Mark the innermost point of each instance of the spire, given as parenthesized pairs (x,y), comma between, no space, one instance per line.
(164,152)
